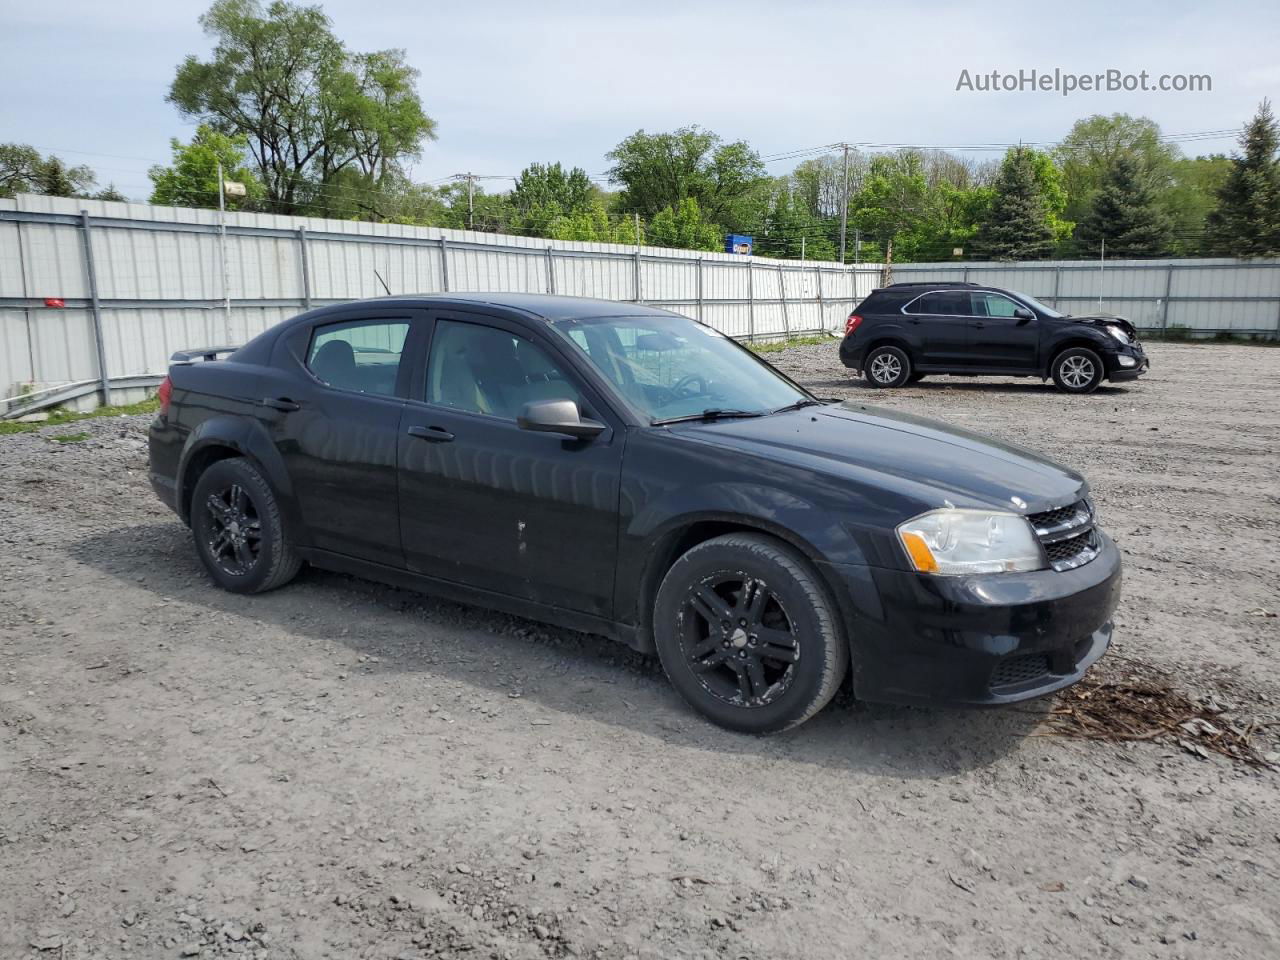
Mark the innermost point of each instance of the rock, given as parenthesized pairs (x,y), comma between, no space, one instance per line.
(190,950)
(540,931)
(1139,881)
(477,912)
(462,868)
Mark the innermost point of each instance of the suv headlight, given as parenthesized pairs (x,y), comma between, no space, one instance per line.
(1118,333)
(952,542)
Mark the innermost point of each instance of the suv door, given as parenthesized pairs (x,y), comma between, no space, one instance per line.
(999,338)
(489,505)
(335,418)
(942,324)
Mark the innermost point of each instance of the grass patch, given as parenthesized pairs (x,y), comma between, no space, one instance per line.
(58,417)
(777,346)
(71,437)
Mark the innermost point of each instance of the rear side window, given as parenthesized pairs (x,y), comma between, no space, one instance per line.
(947,303)
(362,356)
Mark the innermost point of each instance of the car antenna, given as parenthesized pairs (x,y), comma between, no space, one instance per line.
(381,281)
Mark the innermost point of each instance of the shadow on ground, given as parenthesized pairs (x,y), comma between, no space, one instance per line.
(1020,387)
(564,671)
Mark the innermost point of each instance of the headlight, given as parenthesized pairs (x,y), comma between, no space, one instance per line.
(1117,333)
(954,542)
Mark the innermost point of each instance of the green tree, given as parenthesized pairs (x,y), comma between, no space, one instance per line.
(893,201)
(191,180)
(1017,224)
(1125,214)
(1246,221)
(661,170)
(545,193)
(24,170)
(790,230)
(308,108)
(684,228)
(1191,196)
(1091,147)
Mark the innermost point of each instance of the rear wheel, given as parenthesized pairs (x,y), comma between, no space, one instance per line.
(239,535)
(1077,370)
(747,634)
(887,367)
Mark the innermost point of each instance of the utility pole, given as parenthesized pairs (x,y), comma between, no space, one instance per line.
(1102,263)
(844,202)
(471,197)
(222,241)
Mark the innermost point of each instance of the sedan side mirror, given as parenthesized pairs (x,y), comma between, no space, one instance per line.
(558,416)
(1023,313)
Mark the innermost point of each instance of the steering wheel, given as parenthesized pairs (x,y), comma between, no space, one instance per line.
(680,389)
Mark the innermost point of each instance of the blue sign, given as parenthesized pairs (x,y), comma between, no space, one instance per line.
(736,243)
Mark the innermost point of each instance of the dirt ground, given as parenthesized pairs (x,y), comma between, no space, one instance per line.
(340,769)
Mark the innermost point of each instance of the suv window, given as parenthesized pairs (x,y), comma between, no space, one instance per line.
(482,369)
(947,303)
(359,355)
(993,305)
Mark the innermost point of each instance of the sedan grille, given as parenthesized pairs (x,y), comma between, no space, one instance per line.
(1067,535)
(1013,671)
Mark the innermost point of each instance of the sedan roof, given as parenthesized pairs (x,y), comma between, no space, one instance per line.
(543,305)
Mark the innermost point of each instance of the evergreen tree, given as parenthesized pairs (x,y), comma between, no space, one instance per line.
(1125,213)
(1246,221)
(1016,226)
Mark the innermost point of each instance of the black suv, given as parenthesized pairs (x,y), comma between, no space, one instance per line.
(907,330)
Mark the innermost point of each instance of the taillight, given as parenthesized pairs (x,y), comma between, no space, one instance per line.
(851,324)
(164,394)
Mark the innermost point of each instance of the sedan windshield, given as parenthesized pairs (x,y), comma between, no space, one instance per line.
(674,368)
(1037,305)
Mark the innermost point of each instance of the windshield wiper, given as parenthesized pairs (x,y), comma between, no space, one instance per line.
(709,415)
(801,404)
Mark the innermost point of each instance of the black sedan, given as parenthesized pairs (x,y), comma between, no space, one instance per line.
(627,471)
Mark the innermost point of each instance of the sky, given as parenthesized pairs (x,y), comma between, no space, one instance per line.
(514,83)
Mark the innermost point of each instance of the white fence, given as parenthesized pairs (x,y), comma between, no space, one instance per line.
(138,282)
(1195,297)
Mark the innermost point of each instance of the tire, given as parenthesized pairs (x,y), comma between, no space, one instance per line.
(238,531)
(726,673)
(1077,370)
(887,367)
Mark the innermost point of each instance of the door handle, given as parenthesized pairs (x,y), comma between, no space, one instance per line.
(281,403)
(434,434)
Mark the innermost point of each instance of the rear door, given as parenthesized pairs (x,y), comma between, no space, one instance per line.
(998,338)
(336,422)
(486,504)
(942,323)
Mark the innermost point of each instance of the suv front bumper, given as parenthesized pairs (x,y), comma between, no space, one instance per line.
(984,640)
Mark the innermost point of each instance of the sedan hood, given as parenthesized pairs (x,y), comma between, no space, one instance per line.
(870,445)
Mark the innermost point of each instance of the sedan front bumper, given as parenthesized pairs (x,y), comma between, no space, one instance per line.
(986,640)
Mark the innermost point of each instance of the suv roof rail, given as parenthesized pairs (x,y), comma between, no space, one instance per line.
(934,283)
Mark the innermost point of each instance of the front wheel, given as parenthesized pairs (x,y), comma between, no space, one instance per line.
(748,635)
(887,367)
(239,534)
(1077,370)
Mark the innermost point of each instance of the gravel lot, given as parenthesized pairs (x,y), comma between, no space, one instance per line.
(340,769)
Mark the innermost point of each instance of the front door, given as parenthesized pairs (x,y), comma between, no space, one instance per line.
(336,423)
(489,505)
(999,339)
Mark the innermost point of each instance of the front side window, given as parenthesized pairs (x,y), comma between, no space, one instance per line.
(486,370)
(993,305)
(671,366)
(361,355)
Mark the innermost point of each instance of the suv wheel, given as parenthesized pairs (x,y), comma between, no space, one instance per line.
(747,634)
(238,530)
(887,367)
(1077,370)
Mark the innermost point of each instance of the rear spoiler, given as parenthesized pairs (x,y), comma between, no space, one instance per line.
(185,357)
